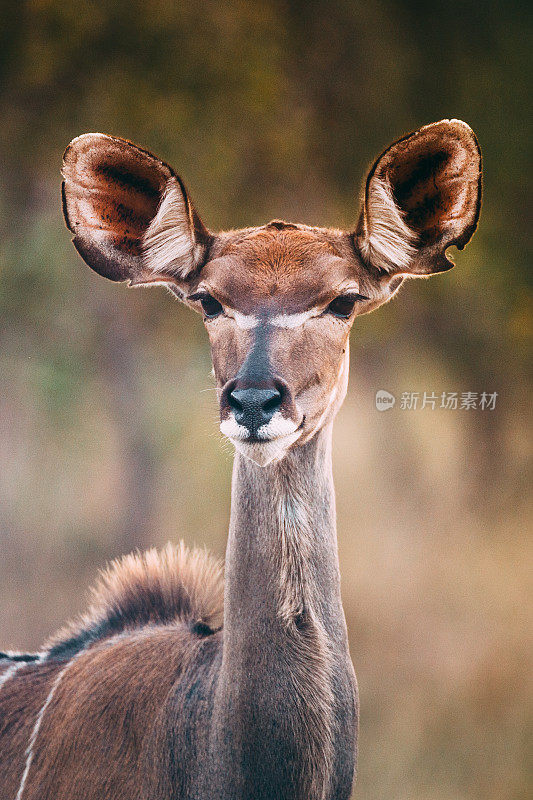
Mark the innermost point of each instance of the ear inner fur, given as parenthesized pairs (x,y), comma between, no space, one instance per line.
(113,192)
(422,195)
(170,244)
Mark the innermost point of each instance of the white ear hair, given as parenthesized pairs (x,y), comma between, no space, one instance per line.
(388,242)
(169,244)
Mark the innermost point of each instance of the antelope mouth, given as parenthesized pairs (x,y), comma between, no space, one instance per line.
(268,444)
(266,451)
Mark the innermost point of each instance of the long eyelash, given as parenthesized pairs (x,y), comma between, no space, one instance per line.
(355,296)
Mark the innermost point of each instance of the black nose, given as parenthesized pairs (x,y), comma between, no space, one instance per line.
(254,407)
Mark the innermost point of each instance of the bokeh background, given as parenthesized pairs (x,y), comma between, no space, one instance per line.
(108,433)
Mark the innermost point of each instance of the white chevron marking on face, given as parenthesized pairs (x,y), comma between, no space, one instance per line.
(292,320)
(247,321)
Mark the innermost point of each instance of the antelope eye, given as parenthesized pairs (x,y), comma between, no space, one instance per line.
(211,307)
(343,305)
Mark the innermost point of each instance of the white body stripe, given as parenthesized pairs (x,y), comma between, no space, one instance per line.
(37,725)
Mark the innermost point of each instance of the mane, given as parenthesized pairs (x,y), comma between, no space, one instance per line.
(163,587)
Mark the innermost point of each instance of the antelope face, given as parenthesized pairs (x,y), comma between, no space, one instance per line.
(278,301)
(278,304)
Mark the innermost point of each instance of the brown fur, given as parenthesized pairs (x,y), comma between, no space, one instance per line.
(146,696)
(21,699)
(148,611)
(98,726)
(151,588)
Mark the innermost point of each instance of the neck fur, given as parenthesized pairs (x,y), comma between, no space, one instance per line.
(283,527)
(283,613)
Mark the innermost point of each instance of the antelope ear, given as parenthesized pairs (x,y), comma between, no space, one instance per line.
(129,212)
(422,195)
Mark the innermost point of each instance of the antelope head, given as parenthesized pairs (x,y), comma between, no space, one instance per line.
(278,300)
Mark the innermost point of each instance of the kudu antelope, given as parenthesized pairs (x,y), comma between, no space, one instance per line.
(161,691)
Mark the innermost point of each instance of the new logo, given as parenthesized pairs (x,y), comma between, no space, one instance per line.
(384,400)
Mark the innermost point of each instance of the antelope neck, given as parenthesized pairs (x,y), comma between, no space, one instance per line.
(286,677)
(282,563)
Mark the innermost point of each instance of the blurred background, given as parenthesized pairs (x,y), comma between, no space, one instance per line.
(108,431)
